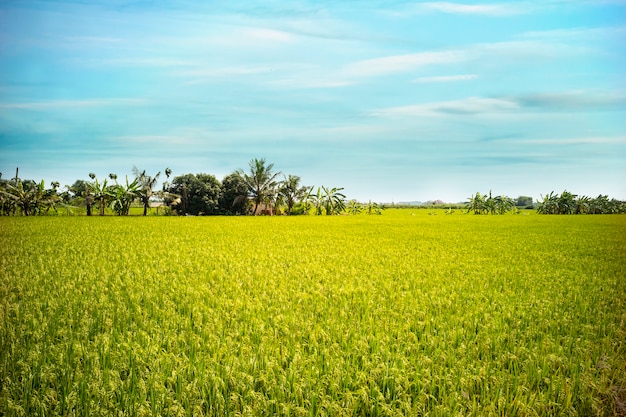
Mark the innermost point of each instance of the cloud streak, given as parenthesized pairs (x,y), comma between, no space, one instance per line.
(55,104)
(476,9)
(401,63)
(565,101)
(445,78)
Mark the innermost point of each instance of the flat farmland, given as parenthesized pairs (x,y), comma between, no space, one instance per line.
(406,313)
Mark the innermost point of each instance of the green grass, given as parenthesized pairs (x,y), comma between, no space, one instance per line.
(401,314)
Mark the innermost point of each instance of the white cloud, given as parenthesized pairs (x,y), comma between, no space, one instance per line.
(593,140)
(198,76)
(481,9)
(471,105)
(53,104)
(445,78)
(306,82)
(577,33)
(252,37)
(401,63)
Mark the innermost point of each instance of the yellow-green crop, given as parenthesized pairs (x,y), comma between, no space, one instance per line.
(400,314)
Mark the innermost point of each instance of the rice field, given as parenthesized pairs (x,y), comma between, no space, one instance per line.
(401,314)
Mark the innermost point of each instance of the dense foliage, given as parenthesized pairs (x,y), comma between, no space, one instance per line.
(199,194)
(568,203)
(401,314)
(256,191)
(487,204)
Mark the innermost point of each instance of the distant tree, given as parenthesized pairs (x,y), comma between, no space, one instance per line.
(333,200)
(502,204)
(234,194)
(374,208)
(147,184)
(316,200)
(200,194)
(102,194)
(28,196)
(78,188)
(488,204)
(292,192)
(124,195)
(260,180)
(477,203)
(523,201)
(354,207)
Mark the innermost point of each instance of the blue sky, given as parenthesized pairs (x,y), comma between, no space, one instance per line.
(392,100)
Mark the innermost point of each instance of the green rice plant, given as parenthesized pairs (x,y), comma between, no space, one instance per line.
(400,314)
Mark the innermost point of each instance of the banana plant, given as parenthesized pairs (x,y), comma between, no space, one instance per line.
(333,200)
(476,203)
(102,194)
(354,207)
(123,196)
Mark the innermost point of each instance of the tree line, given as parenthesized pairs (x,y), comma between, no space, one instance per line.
(565,203)
(568,203)
(258,190)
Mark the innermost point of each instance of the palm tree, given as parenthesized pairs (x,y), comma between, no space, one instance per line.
(146,186)
(291,191)
(101,193)
(260,181)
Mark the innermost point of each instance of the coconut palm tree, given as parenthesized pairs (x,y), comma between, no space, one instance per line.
(146,186)
(291,191)
(261,180)
(101,193)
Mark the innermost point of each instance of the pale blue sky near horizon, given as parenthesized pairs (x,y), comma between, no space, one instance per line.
(392,100)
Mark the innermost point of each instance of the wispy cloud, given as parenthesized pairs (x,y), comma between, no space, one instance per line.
(555,102)
(577,33)
(573,100)
(401,63)
(471,105)
(508,9)
(593,140)
(203,75)
(53,104)
(252,37)
(134,62)
(445,78)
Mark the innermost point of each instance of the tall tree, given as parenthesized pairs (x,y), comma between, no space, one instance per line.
(146,186)
(261,180)
(102,194)
(199,194)
(234,194)
(291,191)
